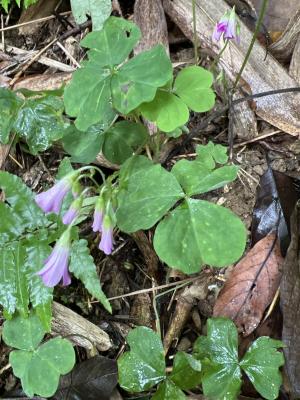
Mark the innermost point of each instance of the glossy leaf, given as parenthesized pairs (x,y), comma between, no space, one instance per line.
(10,104)
(99,10)
(211,153)
(202,233)
(122,139)
(221,377)
(23,333)
(144,365)
(93,379)
(196,178)
(136,81)
(261,364)
(83,146)
(166,110)
(83,267)
(168,391)
(193,86)
(39,370)
(40,122)
(186,373)
(149,194)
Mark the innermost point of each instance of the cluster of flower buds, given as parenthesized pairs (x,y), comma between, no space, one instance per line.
(56,265)
(227,27)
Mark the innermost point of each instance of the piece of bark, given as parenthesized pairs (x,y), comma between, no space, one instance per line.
(43,82)
(150,17)
(141,310)
(4,151)
(284,46)
(244,120)
(260,74)
(80,331)
(185,302)
(295,62)
(149,254)
(290,306)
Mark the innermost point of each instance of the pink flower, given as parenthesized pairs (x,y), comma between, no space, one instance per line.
(106,242)
(51,200)
(56,265)
(98,215)
(73,211)
(228,27)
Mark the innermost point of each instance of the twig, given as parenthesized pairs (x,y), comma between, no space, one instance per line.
(256,139)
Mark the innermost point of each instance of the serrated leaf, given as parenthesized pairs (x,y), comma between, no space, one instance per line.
(195,178)
(40,370)
(166,110)
(144,365)
(40,122)
(150,193)
(261,363)
(136,81)
(211,153)
(23,333)
(221,377)
(99,10)
(186,373)
(122,139)
(83,267)
(10,104)
(202,233)
(193,86)
(168,391)
(83,146)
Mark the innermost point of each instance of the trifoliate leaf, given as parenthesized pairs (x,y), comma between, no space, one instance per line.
(261,363)
(193,86)
(144,365)
(221,377)
(168,391)
(149,194)
(211,154)
(186,373)
(99,10)
(202,233)
(83,267)
(196,178)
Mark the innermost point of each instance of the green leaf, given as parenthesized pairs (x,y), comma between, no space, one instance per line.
(23,333)
(261,363)
(40,370)
(150,193)
(40,122)
(186,373)
(83,146)
(122,139)
(195,178)
(136,81)
(83,267)
(221,377)
(202,233)
(10,104)
(211,153)
(99,10)
(166,110)
(193,86)
(168,391)
(144,365)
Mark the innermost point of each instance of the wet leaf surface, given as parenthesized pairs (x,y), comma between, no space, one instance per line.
(251,285)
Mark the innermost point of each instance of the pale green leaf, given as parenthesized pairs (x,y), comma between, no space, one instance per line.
(83,267)
(144,365)
(202,233)
(211,153)
(98,10)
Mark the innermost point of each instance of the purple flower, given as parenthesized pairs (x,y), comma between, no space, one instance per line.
(106,242)
(56,265)
(73,211)
(51,200)
(227,26)
(98,215)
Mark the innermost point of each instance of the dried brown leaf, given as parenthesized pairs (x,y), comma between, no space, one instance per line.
(252,285)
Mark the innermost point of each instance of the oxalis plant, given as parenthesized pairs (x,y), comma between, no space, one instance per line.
(102,109)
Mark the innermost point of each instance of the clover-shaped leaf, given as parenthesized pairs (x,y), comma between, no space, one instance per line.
(38,366)
(186,373)
(99,10)
(211,153)
(167,390)
(144,365)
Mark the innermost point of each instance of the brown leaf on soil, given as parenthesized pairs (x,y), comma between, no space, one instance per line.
(252,285)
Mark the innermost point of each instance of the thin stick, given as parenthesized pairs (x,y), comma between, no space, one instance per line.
(256,139)
(195,32)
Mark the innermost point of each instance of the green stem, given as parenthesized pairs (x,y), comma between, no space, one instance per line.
(257,28)
(217,59)
(195,32)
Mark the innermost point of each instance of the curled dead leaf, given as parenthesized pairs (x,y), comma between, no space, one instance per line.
(252,285)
